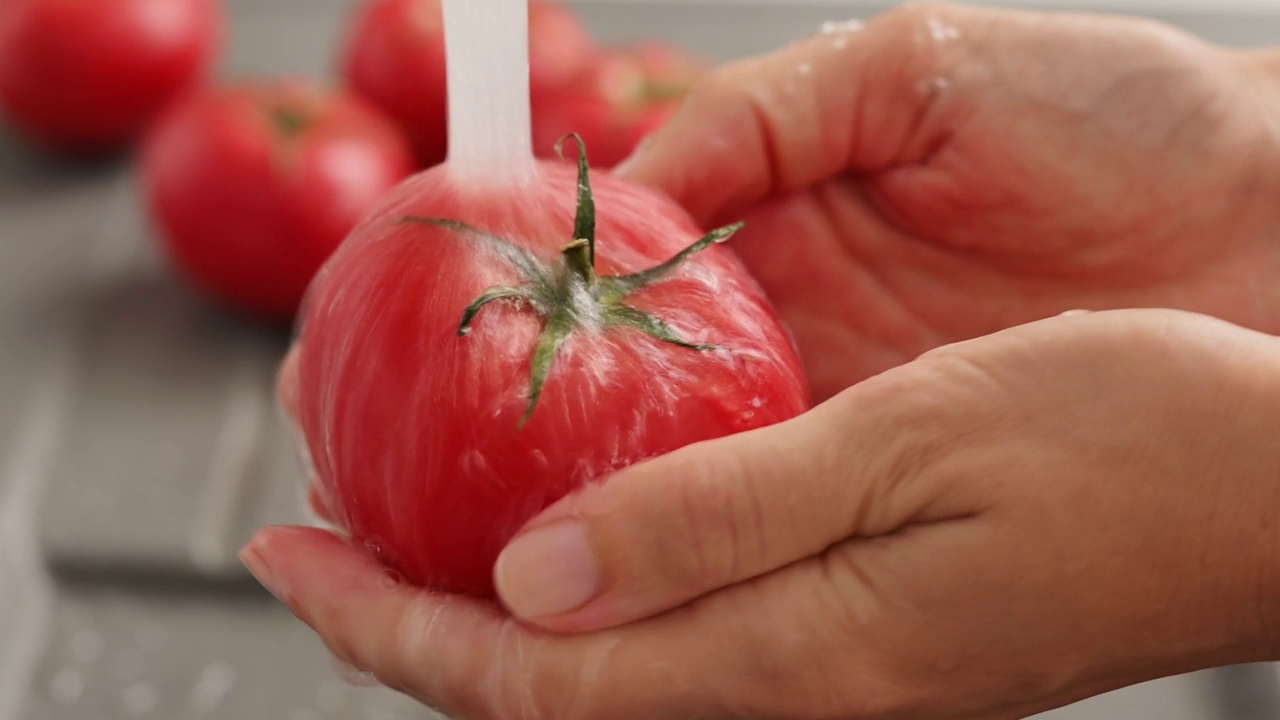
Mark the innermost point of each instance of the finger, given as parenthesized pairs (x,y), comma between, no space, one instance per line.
(467,658)
(657,535)
(373,621)
(768,126)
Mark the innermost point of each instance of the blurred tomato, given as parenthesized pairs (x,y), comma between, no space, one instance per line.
(254,184)
(395,57)
(630,93)
(89,75)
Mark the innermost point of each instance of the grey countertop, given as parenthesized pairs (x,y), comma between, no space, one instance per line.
(139,445)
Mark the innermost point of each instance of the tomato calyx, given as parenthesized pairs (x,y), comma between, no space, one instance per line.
(568,295)
(290,122)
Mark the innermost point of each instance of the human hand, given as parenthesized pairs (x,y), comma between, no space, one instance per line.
(949,171)
(995,529)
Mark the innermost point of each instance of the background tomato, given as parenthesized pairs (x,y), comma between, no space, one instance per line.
(89,75)
(416,432)
(254,184)
(395,59)
(628,94)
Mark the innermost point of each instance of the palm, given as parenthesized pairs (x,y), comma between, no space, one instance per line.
(1129,188)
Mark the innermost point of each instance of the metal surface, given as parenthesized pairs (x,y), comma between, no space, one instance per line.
(139,445)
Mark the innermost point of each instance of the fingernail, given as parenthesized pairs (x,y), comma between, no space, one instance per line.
(252,558)
(548,571)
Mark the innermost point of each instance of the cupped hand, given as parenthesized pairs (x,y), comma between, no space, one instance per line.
(948,171)
(997,528)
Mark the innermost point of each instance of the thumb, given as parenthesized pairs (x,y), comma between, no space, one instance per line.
(660,534)
(769,126)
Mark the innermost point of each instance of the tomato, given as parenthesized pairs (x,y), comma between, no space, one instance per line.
(668,70)
(462,364)
(631,92)
(253,185)
(89,76)
(395,58)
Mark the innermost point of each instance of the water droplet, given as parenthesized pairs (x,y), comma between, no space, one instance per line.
(832,27)
(932,86)
(67,686)
(940,31)
(804,69)
(140,699)
(212,687)
(86,646)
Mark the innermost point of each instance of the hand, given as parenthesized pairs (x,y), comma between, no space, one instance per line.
(950,171)
(998,528)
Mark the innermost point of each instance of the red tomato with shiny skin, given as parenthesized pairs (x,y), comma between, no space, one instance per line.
(254,184)
(630,93)
(89,75)
(395,57)
(433,438)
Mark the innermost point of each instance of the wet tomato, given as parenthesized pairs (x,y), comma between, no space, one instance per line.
(629,94)
(471,355)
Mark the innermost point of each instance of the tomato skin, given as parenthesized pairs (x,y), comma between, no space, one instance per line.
(88,77)
(250,206)
(413,430)
(395,57)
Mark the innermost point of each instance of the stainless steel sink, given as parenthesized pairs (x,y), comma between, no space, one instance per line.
(139,446)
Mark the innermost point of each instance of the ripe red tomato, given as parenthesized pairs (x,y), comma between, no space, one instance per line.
(395,58)
(254,184)
(630,93)
(453,383)
(90,75)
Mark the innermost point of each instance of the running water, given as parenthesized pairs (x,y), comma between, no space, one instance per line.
(487,45)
